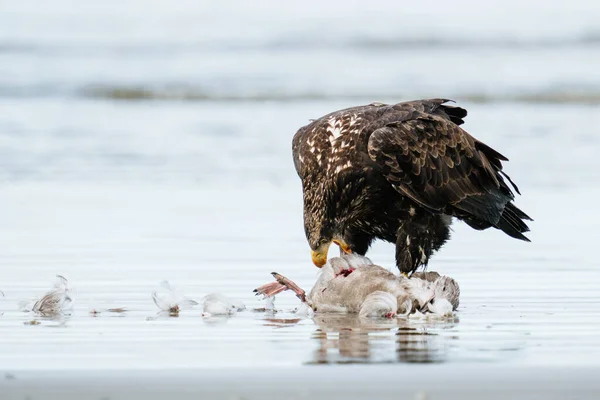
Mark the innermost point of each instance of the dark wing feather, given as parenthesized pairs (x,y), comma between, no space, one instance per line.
(441,167)
(435,107)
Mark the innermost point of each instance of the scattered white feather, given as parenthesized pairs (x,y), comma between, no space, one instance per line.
(304,310)
(270,303)
(56,302)
(219,304)
(172,299)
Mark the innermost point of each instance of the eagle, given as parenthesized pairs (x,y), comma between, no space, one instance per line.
(399,173)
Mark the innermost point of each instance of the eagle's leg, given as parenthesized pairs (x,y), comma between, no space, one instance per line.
(417,239)
(413,248)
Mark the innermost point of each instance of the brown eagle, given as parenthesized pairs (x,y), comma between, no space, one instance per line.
(399,173)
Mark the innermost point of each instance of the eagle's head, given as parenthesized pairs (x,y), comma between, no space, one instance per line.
(322,229)
(320,247)
(319,252)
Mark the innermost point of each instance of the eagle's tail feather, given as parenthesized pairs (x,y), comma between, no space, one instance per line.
(511,222)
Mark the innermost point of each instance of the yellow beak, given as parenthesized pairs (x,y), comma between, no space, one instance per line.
(343,245)
(319,256)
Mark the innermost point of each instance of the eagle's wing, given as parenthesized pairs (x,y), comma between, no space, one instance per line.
(312,143)
(434,162)
(296,152)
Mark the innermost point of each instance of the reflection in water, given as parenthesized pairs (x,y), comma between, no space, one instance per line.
(421,346)
(281,322)
(53,321)
(346,339)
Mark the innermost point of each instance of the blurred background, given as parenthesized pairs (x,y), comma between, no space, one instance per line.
(210,92)
(150,140)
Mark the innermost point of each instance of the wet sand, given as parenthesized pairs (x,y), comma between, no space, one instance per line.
(409,381)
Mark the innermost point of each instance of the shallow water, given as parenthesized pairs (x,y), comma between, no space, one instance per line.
(135,150)
(521,303)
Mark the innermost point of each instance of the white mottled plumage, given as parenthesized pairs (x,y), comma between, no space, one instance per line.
(343,167)
(334,129)
(339,130)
